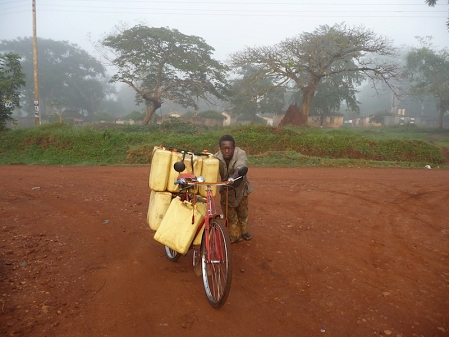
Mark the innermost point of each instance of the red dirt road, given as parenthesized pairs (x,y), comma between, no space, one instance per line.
(336,252)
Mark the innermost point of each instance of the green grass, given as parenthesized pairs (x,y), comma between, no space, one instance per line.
(294,159)
(438,137)
(62,144)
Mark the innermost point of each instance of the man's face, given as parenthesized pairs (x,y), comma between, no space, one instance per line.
(227,149)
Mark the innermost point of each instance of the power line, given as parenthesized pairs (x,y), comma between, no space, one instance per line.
(15,7)
(247,15)
(301,14)
(13,2)
(259,3)
(223,12)
(220,11)
(229,3)
(252,10)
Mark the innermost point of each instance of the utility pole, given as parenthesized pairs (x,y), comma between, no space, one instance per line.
(36,82)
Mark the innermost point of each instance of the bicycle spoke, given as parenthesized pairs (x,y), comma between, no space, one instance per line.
(172,255)
(216,266)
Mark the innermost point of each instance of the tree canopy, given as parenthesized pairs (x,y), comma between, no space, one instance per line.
(308,58)
(11,80)
(66,72)
(250,95)
(432,3)
(163,64)
(428,73)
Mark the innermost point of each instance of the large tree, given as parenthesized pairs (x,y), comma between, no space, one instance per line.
(250,95)
(310,57)
(428,73)
(163,64)
(11,79)
(66,73)
(332,91)
(432,3)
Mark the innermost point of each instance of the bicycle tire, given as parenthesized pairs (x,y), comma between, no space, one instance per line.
(217,273)
(171,254)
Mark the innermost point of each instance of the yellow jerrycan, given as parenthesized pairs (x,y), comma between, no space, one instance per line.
(160,169)
(179,225)
(210,174)
(157,208)
(173,175)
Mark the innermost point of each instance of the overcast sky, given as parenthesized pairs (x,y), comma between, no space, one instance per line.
(226,25)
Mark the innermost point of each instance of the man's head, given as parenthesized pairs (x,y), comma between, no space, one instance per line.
(227,146)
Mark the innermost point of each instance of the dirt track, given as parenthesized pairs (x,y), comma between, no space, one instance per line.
(336,252)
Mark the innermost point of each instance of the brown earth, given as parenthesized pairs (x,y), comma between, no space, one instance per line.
(293,116)
(335,252)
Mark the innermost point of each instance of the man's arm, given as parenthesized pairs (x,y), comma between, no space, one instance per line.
(241,159)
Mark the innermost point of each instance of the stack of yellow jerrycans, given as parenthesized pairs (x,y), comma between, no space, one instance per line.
(174,220)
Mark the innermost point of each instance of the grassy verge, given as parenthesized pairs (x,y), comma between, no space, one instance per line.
(294,159)
(56,144)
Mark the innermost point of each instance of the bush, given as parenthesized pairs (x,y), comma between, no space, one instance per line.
(379,116)
(212,114)
(135,115)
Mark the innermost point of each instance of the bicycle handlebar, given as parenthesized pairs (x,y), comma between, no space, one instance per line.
(195,182)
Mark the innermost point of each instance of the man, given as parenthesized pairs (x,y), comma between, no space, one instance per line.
(233,158)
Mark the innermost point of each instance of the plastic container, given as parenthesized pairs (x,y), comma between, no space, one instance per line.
(159,203)
(202,209)
(160,169)
(210,174)
(176,229)
(173,175)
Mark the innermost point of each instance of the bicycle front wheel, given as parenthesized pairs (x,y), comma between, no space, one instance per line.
(216,264)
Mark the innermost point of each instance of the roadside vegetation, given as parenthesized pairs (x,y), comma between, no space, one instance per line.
(63,144)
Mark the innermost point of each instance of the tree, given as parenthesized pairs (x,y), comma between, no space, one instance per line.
(66,72)
(11,79)
(57,106)
(428,73)
(432,3)
(310,57)
(251,95)
(241,101)
(332,91)
(113,106)
(163,64)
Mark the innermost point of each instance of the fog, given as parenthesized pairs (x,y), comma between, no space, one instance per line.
(226,25)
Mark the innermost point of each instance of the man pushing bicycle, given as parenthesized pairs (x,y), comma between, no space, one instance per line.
(231,159)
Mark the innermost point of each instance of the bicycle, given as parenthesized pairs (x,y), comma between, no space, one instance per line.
(211,257)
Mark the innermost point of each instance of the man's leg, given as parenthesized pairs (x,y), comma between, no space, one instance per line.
(242,214)
(235,232)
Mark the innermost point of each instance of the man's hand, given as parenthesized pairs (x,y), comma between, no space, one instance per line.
(235,175)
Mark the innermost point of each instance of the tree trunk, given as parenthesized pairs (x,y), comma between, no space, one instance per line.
(151,107)
(300,116)
(307,95)
(440,118)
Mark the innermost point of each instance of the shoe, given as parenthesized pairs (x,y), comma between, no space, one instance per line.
(240,239)
(247,236)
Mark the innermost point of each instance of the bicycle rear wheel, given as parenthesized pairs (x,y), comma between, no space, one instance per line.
(172,255)
(216,265)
